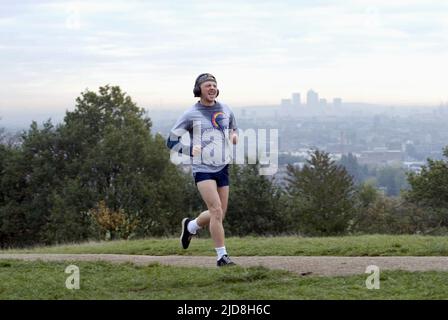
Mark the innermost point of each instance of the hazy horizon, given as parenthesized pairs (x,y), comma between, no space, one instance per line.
(17,119)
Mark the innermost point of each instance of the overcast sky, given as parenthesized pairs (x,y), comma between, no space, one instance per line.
(392,52)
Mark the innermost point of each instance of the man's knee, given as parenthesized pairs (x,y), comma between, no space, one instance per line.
(216,211)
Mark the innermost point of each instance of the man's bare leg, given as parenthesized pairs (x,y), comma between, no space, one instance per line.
(203,220)
(210,195)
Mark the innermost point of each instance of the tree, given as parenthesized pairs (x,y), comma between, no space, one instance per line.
(111,156)
(103,152)
(14,227)
(430,186)
(429,189)
(386,215)
(358,172)
(255,205)
(321,196)
(393,179)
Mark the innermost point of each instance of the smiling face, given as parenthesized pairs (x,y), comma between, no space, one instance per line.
(209,89)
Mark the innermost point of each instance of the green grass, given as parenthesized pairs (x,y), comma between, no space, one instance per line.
(101,280)
(368,245)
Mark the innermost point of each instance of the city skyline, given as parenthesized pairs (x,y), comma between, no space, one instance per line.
(365,51)
(312,100)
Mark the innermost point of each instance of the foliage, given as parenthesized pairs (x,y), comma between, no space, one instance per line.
(321,195)
(357,171)
(103,150)
(112,224)
(430,186)
(255,203)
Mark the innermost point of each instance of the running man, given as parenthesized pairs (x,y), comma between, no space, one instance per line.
(212,128)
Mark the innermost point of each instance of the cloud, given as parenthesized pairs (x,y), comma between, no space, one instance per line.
(282,45)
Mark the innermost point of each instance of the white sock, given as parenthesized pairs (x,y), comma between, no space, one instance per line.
(193,226)
(220,252)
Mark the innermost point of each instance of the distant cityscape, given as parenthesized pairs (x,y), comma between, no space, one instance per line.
(381,137)
(312,100)
(378,136)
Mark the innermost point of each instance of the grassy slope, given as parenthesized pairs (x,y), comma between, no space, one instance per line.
(369,245)
(100,280)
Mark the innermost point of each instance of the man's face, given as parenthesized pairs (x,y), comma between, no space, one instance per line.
(209,90)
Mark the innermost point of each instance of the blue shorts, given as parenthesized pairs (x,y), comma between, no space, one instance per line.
(221,177)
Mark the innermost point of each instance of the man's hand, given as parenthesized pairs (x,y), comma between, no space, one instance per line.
(197,150)
(234,138)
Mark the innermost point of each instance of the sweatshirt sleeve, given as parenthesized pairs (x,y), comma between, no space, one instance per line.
(232,122)
(182,125)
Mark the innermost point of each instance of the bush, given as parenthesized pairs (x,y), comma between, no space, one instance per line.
(112,224)
(385,215)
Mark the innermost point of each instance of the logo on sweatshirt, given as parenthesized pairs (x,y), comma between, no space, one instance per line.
(217,118)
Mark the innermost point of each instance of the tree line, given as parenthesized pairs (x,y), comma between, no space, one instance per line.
(102,174)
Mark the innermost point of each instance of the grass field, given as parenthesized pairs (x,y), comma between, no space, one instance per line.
(100,280)
(369,245)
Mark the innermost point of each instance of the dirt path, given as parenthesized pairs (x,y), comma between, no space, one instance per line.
(322,266)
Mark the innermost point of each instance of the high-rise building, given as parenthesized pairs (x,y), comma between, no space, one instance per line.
(323,102)
(337,102)
(312,98)
(296,99)
(285,103)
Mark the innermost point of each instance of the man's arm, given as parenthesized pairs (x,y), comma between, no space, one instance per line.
(233,129)
(233,136)
(173,142)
